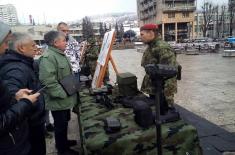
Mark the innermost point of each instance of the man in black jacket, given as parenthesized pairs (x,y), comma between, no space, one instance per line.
(13,111)
(16,69)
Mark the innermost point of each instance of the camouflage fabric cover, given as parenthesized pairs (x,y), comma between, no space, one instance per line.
(159,52)
(179,138)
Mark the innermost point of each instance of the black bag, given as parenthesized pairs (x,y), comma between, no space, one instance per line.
(143,114)
(70,84)
(129,101)
(112,125)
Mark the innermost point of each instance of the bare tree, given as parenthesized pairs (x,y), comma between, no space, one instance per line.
(217,21)
(222,20)
(121,30)
(208,10)
(231,9)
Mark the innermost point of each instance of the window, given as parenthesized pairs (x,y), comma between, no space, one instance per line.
(185,14)
(171,15)
(171,5)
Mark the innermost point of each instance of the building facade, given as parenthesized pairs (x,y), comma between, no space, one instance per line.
(8,14)
(37,32)
(219,27)
(176,17)
(231,6)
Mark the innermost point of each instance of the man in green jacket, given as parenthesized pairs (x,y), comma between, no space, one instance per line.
(158,52)
(54,66)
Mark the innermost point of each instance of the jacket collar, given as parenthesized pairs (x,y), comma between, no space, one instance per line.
(153,42)
(13,56)
(56,50)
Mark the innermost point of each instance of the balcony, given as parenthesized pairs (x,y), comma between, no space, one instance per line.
(179,0)
(179,8)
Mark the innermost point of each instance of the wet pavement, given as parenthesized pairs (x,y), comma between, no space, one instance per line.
(207,87)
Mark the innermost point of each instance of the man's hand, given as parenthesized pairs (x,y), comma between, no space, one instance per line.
(25,93)
(33,98)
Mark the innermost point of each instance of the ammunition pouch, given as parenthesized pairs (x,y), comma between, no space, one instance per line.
(127,84)
(111,125)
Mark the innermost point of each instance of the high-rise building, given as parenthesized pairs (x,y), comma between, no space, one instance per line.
(176,17)
(8,14)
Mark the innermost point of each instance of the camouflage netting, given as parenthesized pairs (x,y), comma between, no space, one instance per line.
(178,138)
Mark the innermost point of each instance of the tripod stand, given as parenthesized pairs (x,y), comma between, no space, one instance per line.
(158,74)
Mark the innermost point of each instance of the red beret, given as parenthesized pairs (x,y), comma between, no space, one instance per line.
(149,27)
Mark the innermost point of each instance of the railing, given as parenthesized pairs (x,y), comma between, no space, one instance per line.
(179,8)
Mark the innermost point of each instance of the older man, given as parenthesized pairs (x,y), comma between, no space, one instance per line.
(54,67)
(158,52)
(72,50)
(13,114)
(16,69)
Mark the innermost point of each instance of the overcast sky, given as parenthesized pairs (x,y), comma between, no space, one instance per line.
(54,11)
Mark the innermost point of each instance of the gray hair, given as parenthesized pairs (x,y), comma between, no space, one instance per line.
(61,23)
(51,36)
(19,39)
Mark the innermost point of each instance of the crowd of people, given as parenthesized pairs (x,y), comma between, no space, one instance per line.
(24,112)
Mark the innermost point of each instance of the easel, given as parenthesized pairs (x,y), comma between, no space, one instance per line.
(103,60)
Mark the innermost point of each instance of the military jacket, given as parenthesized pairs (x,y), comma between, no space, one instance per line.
(159,52)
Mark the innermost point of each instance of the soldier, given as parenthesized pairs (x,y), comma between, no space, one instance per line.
(92,53)
(158,52)
(91,56)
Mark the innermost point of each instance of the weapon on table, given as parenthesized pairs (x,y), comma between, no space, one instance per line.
(102,96)
(158,74)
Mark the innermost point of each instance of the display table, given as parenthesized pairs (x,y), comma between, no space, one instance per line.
(178,137)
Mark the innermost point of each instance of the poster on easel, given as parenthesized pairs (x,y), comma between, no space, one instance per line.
(103,59)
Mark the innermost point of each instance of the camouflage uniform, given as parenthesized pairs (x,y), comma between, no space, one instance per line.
(159,52)
(92,54)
